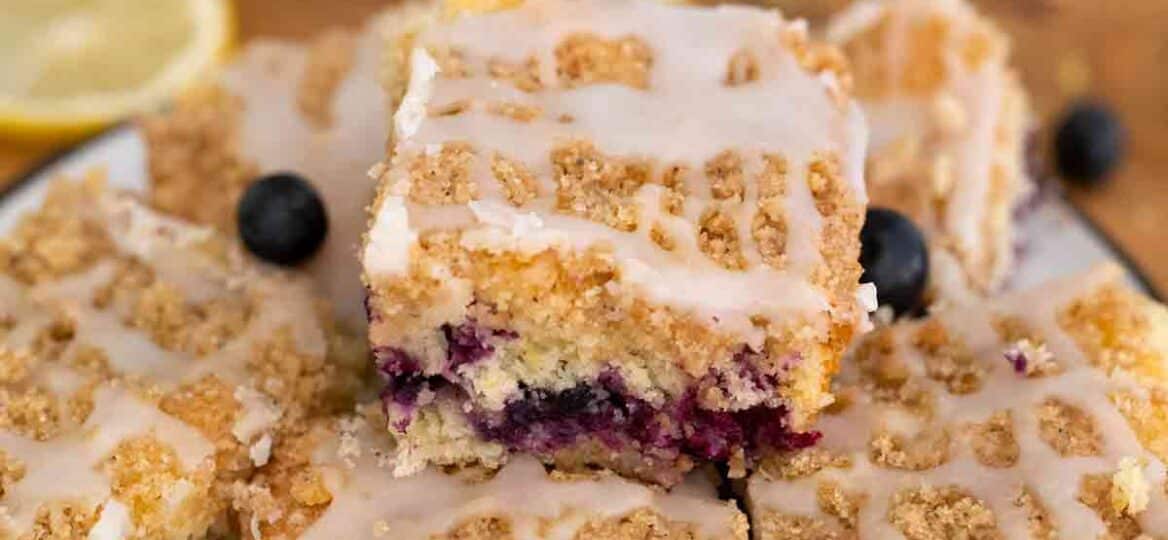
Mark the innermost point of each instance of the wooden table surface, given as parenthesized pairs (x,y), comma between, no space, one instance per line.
(1065,49)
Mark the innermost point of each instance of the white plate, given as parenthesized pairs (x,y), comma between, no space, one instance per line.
(1059,240)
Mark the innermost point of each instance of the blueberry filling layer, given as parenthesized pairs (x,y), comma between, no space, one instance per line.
(542,421)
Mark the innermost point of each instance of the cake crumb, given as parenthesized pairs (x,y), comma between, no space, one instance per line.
(1095,492)
(834,501)
(718,239)
(1129,488)
(948,360)
(524,76)
(939,513)
(584,59)
(1067,429)
(598,187)
(993,441)
(518,182)
(742,69)
(1038,518)
(444,178)
(925,450)
(725,172)
(330,58)
(515,111)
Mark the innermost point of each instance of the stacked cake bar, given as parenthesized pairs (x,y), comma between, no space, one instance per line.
(615,233)
(949,123)
(1040,414)
(145,368)
(335,481)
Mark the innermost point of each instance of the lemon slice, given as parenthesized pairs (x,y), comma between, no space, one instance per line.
(69,67)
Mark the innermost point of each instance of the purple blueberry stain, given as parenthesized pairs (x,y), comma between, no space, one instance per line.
(543,421)
(404,382)
(371,315)
(1017,359)
(468,343)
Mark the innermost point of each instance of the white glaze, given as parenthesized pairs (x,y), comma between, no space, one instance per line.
(276,136)
(1054,479)
(67,466)
(983,98)
(687,115)
(367,499)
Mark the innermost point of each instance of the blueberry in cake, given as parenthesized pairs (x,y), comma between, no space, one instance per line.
(146,367)
(618,234)
(281,219)
(949,124)
(895,260)
(1089,143)
(335,481)
(1039,414)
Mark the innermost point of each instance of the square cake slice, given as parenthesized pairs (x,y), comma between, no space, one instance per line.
(145,367)
(949,125)
(1042,414)
(336,481)
(615,233)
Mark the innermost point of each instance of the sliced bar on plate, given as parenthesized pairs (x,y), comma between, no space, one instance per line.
(1041,414)
(615,233)
(146,366)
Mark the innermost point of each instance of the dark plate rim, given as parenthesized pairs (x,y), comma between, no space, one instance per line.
(1118,252)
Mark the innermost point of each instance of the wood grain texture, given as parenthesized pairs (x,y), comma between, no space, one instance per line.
(1065,49)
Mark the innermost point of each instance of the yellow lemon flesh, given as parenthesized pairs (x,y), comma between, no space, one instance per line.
(69,67)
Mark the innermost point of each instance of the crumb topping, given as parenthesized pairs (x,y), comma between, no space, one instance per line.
(989,462)
(1068,429)
(517,180)
(742,68)
(584,59)
(330,57)
(934,513)
(592,185)
(443,178)
(993,441)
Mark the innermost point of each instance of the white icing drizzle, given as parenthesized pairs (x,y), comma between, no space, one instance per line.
(67,467)
(277,137)
(686,115)
(1054,479)
(368,499)
(114,523)
(287,302)
(983,100)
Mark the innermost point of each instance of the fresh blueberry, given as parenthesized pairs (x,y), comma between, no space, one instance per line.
(895,258)
(1089,143)
(281,219)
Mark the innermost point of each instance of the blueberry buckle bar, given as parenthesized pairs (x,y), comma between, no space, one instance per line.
(949,126)
(618,234)
(146,367)
(1039,414)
